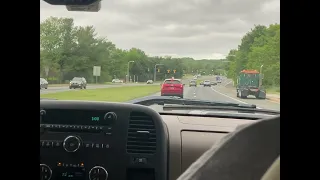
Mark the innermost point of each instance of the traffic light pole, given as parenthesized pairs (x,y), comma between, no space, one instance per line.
(155,72)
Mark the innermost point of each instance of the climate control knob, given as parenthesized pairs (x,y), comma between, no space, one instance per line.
(98,173)
(45,172)
(71,143)
(110,117)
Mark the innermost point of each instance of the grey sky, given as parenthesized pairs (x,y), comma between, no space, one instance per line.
(193,28)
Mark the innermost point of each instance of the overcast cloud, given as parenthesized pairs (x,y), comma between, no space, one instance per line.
(193,28)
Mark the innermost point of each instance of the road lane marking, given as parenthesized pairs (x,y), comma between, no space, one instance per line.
(232,97)
(228,83)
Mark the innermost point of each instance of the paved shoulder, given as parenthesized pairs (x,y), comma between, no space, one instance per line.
(231,94)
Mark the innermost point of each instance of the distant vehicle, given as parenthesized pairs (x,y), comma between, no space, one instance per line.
(214,83)
(218,79)
(116,81)
(249,82)
(172,87)
(149,82)
(78,82)
(193,83)
(43,83)
(206,83)
(201,83)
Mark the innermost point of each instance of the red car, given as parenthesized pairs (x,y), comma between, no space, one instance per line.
(172,87)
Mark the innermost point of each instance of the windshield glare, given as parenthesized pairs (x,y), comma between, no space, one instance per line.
(207,51)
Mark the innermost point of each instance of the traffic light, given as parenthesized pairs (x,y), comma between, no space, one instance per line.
(174,71)
(168,71)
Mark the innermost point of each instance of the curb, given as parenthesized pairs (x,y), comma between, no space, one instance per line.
(274,99)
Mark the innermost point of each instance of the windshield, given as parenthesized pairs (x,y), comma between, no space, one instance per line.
(77,79)
(172,81)
(206,50)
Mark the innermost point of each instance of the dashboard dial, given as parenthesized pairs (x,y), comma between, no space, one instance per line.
(110,117)
(71,143)
(45,172)
(98,173)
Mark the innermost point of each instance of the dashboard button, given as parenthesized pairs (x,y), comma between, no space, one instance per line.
(48,126)
(48,144)
(71,143)
(87,145)
(140,160)
(105,146)
(57,144)
(98,173)
(45,172)
(56,126)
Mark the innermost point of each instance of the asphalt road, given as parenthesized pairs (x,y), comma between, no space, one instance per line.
(223,94)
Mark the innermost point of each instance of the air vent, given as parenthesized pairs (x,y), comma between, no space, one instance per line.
(141,134)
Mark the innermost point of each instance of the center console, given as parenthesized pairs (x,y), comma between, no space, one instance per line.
(101,141)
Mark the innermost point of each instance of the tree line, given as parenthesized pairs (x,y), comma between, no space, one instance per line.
(67,51)
(260,50)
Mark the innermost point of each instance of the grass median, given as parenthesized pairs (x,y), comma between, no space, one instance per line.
(114,94)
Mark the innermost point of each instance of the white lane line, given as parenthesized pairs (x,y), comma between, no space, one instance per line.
(228,83)
(232,97)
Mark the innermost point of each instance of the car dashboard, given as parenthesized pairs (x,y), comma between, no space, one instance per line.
(120,141)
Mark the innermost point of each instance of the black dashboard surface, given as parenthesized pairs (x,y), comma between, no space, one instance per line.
(98,141)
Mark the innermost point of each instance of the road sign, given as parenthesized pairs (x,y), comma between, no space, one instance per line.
(96,70)
(168,70)
(158,70)
(174,71)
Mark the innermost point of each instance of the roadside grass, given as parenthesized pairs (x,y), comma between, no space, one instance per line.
(114,94)
(199,81)
(273,90)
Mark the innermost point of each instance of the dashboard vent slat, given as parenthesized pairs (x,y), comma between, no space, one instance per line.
(141,134)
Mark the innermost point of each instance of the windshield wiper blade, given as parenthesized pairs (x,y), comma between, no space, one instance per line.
(162,100)
(231,108)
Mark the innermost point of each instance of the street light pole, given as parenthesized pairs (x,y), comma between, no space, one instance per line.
(155,72)
(260,82)
(128,73)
